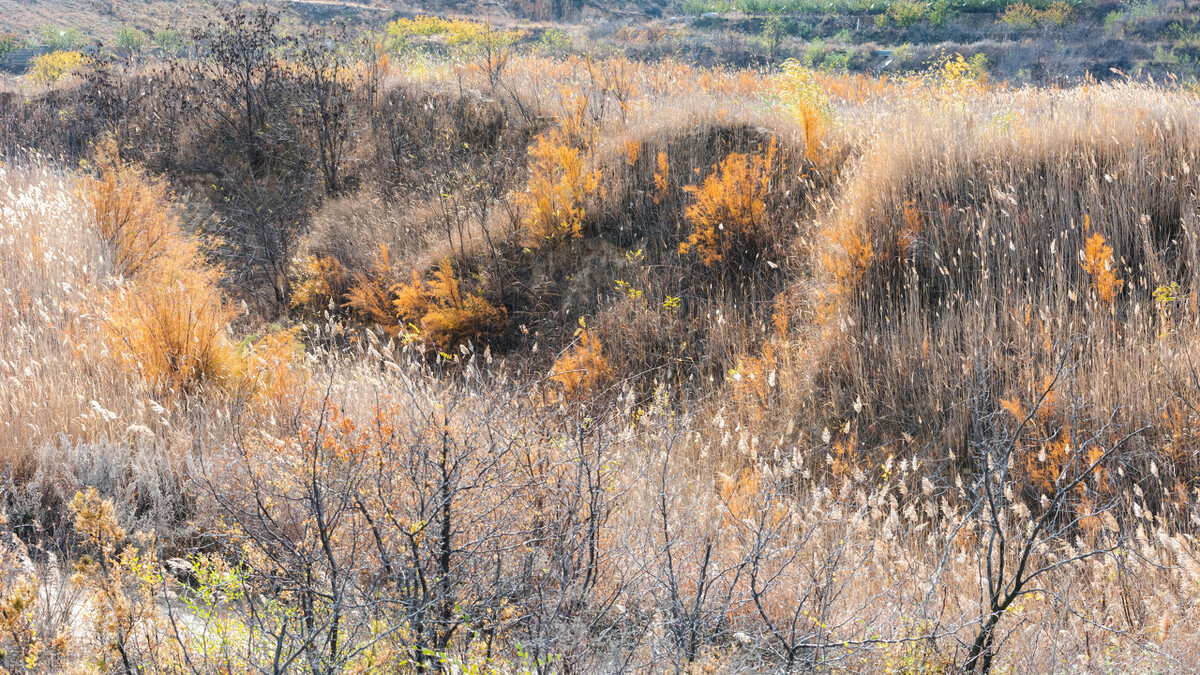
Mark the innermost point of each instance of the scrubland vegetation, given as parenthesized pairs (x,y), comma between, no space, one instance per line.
(428,350)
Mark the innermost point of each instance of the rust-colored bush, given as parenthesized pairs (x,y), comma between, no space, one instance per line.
(1098,263)
(582,369)
(169,319)
(319,281)
(434,312)
(172,328)
(728,208)
(134,216)
(560,184)
(370,295)
(442,314)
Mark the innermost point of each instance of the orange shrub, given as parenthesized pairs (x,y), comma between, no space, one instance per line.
(1044,466)
(318,282)
(169,320)
(575,125)
(559,186)
(740,496)
(270,367)
(582,369)
(370,295)
(727,209)
(662,177)
(1098,263)
(134,218)
(849,259)
(441,314)
(753,381)
(172,328)
(619,74)
(633,150)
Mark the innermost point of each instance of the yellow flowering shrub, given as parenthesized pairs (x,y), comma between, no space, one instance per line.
(50,68)
(463,35)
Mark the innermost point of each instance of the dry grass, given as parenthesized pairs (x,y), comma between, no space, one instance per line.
(54,269)
(960,236)
(773,468)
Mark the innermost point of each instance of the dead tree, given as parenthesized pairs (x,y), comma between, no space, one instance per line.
(1015,537)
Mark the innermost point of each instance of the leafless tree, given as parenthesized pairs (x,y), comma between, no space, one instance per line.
(1017,542)
(327,91)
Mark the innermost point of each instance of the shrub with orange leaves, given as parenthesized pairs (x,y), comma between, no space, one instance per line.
(912,227)
(582,369)
(370,294)
(172,328)
(133,214)
(1098,263)
(1045,402)
(727,209)
(439,313)
(1045,460)
(20,595)
(120,580)
(1046,464)
(575,125)
(560,185)
(318,282)
(633,150)
(619,74)
(740,496)
(271,366)
(784,307)
(662,177)
(845,460)
(169,321)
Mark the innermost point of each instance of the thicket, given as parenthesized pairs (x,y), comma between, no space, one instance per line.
(606,366)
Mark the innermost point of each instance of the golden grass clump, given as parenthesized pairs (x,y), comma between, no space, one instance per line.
(170,319)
